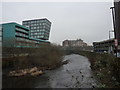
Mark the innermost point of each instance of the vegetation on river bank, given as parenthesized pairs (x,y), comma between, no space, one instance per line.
(22,60)
(45,57)
(106,68)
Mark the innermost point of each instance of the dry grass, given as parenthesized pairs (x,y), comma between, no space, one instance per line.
(44,56)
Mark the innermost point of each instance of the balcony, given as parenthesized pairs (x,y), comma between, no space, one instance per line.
(21,30)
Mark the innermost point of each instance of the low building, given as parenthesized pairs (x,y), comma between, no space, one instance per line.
(107,46)
(77,44)
(74,43)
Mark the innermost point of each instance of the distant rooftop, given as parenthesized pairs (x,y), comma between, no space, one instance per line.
(104,40)
(75,40)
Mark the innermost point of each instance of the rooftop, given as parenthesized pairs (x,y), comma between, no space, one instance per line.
(14,23)
(36,19)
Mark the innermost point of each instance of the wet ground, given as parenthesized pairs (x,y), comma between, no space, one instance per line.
(76,74)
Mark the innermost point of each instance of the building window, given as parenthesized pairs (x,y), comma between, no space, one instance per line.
(27,26)
(0,33)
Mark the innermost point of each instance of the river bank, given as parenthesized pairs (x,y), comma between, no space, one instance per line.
(75,74)
(26,81)
(43,57)
(25,71)
(106,67)
(21,60)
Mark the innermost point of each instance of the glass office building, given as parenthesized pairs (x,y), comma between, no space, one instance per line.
(39,28)
(16,35)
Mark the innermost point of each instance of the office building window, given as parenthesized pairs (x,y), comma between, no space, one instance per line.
(40,28)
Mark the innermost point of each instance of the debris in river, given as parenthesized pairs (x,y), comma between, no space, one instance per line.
(32,71)
(36,73)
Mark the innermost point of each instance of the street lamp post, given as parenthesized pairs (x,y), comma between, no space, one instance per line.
(114,25)
(113,16)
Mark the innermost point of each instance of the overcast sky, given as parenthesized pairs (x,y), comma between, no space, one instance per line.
(90,21)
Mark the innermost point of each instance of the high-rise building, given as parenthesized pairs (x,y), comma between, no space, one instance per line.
(39,28)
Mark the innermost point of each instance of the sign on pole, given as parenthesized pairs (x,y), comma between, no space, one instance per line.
(116,42)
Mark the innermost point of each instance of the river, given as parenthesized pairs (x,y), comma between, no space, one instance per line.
(76,74)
